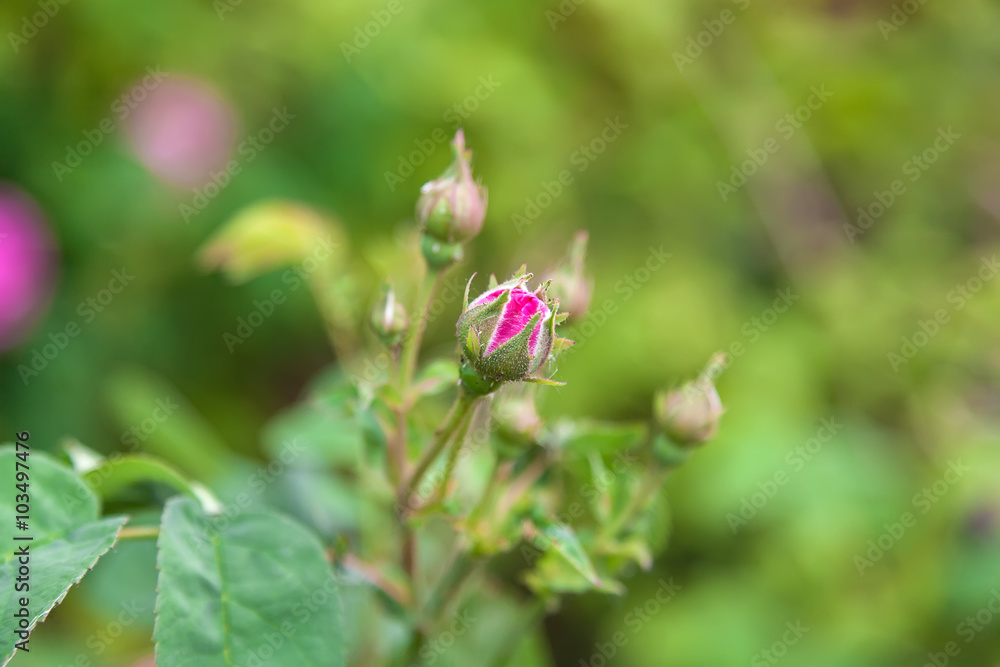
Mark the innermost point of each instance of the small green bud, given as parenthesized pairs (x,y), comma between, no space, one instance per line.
(690,415)
(388,318)
(439,255)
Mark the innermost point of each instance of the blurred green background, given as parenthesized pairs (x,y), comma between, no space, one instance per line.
(766,535)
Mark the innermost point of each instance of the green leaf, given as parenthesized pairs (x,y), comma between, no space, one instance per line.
(563,540)
(554,574)
(633,549)
(67,540)
(271,234)
(117,473)
(254,589)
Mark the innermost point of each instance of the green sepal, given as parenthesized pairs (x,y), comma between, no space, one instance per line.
(549,383)
(472,342)
(438,254)
(476,383)
(465,299)
(512,360)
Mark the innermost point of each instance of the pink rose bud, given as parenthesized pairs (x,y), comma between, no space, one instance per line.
(508,332)
(451,208)
(27,264)
(389,317)
(569,284)
(690,415)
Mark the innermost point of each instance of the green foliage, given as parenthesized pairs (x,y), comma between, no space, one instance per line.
(68,539)
(256,588)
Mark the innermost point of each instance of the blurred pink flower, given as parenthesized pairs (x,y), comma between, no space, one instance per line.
(26,264)
(181,130)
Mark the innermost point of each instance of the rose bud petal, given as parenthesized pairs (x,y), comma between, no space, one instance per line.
(507,333)
(452,207)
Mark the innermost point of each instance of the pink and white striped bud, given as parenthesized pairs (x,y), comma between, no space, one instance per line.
(508,332)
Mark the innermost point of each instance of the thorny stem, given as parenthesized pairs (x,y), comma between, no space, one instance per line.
(462,565)
(411,345)
(498,475)
(456,448)
(459,410)
(407,364)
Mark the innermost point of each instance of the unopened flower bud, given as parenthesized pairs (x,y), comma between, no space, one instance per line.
(690,415)
(569,285)
(389,319)
(452,207)
(508,332)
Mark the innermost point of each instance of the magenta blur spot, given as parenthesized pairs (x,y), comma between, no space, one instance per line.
(27,260)
(182,131)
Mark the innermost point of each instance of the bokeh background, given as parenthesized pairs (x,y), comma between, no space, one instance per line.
(116,119)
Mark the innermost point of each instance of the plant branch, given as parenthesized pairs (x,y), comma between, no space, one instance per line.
(459,410)
(453,452)
(138,533)
(411,344)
